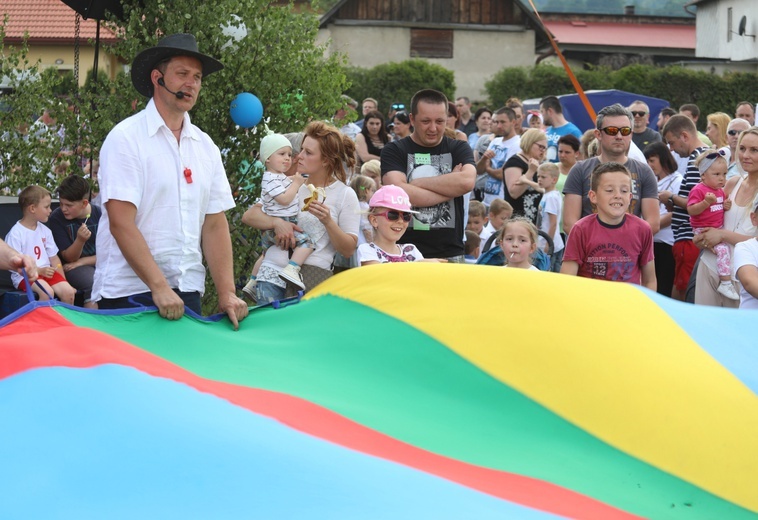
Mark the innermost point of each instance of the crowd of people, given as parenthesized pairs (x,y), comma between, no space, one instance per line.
(545,171)
(431,182)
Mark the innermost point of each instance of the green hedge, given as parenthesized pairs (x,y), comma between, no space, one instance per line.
(677,85)
(397,82)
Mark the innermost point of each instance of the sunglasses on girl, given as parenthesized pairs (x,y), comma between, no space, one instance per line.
(394,215)
(613,130)
(716,154)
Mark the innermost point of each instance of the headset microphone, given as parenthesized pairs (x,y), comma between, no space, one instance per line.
(179,95)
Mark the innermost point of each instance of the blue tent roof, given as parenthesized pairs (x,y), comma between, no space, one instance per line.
(574,111)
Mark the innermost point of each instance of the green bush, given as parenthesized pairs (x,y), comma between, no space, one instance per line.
(397,82)
(677,85)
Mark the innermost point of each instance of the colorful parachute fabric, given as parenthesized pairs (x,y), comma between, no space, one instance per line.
(390,392)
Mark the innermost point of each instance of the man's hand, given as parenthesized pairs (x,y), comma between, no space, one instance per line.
(18,262)
(170,305)
(234,307)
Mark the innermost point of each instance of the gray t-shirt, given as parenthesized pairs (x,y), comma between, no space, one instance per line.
(644,184)
(645,138)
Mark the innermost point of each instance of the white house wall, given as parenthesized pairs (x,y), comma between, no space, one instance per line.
(477,54)
(715,39)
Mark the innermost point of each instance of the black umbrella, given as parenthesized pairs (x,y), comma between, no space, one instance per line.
(96,8)
(93,9)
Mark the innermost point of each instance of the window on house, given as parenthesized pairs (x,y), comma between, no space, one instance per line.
(431,43)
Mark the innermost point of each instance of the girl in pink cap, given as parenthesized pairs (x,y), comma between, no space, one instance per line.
(389,215)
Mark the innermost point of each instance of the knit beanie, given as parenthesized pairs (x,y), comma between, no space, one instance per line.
(272,143)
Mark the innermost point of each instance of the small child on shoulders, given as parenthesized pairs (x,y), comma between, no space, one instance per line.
(611,244)
(500,211)
(279,199)
(518,240)
(706,204)
(30,236)
(390,213)
(551,206)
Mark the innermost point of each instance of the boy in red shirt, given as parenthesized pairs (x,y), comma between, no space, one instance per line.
(611,244)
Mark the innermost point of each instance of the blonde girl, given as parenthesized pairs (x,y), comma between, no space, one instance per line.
(518,240)
(364,188)
(390,215)
(373,170)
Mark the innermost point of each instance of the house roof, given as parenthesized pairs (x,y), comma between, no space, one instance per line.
(48,21)
(667,36)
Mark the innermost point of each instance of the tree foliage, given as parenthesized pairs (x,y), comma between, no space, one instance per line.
(677,85)
(390,83)
(268,50)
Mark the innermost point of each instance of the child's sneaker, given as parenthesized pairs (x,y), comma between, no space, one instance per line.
(291,273)
(727,289)
(249,289)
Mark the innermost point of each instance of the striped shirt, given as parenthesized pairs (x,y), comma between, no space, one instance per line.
(680,219)
(275,184)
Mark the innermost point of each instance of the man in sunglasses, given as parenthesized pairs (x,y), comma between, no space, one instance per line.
(436,172)
(613,130)
(643,135)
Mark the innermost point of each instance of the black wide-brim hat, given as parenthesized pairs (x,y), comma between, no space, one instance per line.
(172,45)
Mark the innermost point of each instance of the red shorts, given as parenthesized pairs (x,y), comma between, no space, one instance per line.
(55,279)
(685,255)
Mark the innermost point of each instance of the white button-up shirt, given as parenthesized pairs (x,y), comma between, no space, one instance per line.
(142,163)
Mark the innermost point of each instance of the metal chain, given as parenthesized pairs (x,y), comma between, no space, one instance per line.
(77,93)
(76,48)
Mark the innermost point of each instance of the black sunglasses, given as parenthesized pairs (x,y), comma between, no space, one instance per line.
(716,154)
(734,132)
(393,215)
(613,130)
(638,114)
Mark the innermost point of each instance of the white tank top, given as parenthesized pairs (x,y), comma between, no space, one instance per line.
(737,219)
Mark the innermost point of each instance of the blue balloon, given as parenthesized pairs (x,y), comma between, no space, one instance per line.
(246,110)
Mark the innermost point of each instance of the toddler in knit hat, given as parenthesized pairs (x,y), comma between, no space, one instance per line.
(279,197)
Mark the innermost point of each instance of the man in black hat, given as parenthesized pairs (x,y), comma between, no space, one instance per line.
(164,191)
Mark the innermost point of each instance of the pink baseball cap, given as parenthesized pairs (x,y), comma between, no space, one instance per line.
(391,197)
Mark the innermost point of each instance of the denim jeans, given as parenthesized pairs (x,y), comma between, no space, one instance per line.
(266,292)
